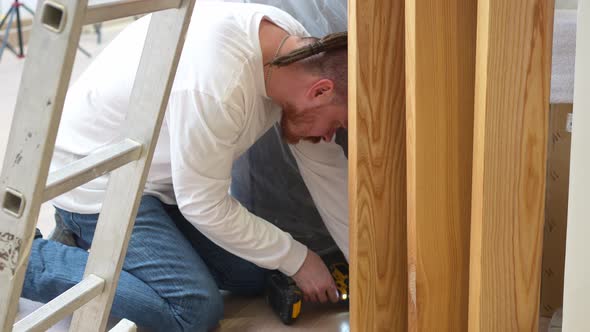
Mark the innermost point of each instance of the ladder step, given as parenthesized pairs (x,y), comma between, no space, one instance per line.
(91,167)
(62,306)
(124,326)
(119,9)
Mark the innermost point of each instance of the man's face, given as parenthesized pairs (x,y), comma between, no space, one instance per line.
(312,124)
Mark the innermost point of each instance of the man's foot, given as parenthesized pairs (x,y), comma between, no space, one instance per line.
(62,234)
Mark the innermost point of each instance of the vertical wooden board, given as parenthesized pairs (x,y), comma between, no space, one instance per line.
(440,62)
(511,112)
(377,166)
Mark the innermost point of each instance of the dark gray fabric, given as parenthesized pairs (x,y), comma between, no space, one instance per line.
(342,140)
(267,182)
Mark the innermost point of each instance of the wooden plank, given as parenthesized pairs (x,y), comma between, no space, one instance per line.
(148,101)
(440,62)
(377,166)
(41,95)
(576,299)
(511,121)
(62,306)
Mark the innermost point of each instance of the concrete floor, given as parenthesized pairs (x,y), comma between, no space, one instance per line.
(241,314)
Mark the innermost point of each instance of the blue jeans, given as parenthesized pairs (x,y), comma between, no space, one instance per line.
(171,276)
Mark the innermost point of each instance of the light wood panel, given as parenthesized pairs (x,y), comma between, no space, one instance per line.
(377,166)
(440,60)
(511,113)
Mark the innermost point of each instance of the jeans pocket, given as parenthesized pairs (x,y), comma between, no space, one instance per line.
(86,224)
(64,219)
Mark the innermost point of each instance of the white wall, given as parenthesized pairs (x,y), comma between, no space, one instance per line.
(5,5)
(566,4)
(576,310)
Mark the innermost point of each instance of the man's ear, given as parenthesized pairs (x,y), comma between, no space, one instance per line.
(322,90)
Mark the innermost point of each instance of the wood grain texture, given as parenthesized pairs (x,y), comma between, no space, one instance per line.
(440,62)
(377,166)
(511,112)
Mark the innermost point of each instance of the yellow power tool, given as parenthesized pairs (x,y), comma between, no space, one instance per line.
(285,298)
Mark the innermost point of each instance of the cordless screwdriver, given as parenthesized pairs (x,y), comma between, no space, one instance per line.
(285,298)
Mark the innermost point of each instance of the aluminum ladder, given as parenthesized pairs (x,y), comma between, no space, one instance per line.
(25,181)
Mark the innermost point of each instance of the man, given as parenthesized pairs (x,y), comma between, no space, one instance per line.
(267,179)
(241,64)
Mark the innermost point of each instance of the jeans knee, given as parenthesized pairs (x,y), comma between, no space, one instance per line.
(201,312)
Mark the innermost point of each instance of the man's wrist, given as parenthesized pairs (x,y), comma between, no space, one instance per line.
(294,259)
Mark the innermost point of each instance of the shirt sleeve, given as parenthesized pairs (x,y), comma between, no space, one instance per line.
(203,135)
(324,169)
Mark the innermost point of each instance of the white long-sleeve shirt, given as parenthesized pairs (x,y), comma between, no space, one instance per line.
(217,109)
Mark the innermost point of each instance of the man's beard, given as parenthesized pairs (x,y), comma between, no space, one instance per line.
(294,122)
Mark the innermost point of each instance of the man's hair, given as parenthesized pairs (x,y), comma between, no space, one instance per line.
(326,57)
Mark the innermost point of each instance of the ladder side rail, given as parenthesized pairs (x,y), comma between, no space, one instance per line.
(44,83)
(148,102)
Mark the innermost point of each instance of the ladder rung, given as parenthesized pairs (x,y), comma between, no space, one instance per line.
(125,8)
(62,306)
(124,326)
(90,167)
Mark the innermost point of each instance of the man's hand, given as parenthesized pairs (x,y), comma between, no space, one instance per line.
(315,280)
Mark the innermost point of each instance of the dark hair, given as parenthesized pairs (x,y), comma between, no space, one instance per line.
(326,56)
